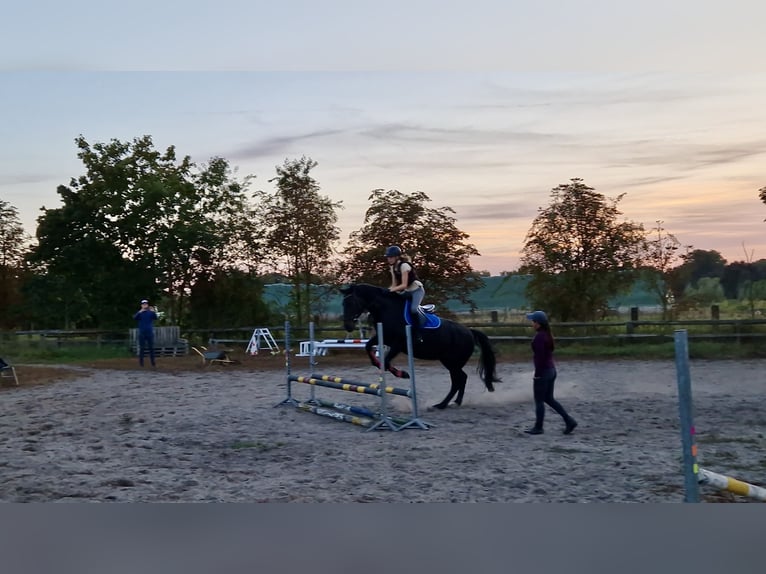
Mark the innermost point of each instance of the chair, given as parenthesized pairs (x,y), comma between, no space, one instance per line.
(8,371)
(210,357)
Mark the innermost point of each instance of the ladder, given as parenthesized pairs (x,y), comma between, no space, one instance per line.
(255,342)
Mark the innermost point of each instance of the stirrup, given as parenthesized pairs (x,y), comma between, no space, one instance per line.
(430,308)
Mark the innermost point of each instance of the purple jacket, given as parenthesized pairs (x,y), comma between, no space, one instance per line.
(542,348)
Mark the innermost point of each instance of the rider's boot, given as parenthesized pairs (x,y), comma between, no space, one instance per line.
(417,337)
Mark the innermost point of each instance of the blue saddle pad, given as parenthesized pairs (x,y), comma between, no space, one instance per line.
(432,320)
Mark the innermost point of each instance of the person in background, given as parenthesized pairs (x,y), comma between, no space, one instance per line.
(146,316)
(404,280)
(543,345)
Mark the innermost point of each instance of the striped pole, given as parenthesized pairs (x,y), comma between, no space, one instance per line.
(683,377)
(723,482)
(341,380)
(361,421)
(370,389)
(344,381)
(357,410)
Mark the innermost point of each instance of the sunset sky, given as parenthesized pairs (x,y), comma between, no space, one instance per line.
(485,111)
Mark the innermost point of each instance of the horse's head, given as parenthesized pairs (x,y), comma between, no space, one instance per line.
(353,307)
(359,298)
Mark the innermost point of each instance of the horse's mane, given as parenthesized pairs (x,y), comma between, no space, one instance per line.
(366,290)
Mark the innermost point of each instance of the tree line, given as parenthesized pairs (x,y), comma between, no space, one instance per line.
(200,242)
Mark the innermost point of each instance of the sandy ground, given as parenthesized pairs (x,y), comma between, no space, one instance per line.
(189,433)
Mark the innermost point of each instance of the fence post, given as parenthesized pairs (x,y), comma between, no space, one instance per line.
(691,485)
(493,316)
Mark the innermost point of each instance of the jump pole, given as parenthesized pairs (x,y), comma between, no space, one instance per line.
(414,420)
(355,410)
(693,474)
(379,389)
(683,379)
(347,385)
(333,414)
(384,420)
(730,484)
(312,358)
(289,400)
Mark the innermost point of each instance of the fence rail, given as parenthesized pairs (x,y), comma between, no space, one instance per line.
(618,332)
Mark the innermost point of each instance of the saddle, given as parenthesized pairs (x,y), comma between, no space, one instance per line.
(432,321)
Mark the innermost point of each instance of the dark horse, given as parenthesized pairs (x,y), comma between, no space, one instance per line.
(449,342)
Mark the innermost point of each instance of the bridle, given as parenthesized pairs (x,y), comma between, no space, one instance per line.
(357,306)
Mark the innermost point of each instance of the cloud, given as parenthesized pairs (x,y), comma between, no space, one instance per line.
(505,209)
(11,179)
(411,132)
(280,144)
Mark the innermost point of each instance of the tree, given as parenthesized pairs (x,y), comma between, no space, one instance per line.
(750,291)
(440,251)
(233,298)
(762,195)
(700,263)
(138,223)
(707,291)
(579,253)
(659,262)
(301,232)
(13,244)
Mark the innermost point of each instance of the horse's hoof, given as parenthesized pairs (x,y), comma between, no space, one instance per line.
(404,375)
(440,406)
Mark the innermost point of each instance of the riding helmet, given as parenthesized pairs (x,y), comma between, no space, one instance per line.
(393,251)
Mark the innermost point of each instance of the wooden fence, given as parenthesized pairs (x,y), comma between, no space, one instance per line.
(168,340)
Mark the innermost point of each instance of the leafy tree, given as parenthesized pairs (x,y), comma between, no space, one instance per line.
(13,244)
(82,279)
(700,263)
(659,261)
(439,250)
(758,292)
(233,298)
(138,223)
(762,195)
(301,232)
(707,291)
(579,253)
(735,274)
(749,290)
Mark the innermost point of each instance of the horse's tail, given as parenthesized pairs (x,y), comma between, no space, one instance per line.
(487,360)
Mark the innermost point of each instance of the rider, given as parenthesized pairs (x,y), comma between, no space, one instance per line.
(404,280)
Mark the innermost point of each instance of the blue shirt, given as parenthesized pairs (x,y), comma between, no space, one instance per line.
(145,320)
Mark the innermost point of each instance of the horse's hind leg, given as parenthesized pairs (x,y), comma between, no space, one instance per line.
(458,380)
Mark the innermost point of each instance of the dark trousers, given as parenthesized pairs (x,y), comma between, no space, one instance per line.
(145,341)
(543,390)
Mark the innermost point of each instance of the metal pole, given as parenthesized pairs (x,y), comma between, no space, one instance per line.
(289,400)
(312,361)
(384,420)
(415,419)
(691,470)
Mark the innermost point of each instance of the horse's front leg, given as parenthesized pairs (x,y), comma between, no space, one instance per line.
(393,351)
(369,348)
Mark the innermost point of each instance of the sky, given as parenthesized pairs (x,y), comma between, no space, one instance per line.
(485,109)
